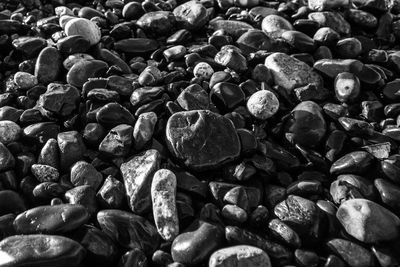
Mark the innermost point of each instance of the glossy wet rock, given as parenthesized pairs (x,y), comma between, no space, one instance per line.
(299,213)
(368,221)
(7,160)
(59,99)
(196,243)
(129,230)
(51,219)
(36,250)
(191,131)
(357,162)
(71,148)
(239,256)
(81,71)
(353,254)
(118,141)
(138,175)
(307,126)
(48,65)
(192,15)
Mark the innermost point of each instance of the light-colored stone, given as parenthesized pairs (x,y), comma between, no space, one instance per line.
(290,72)
(321,5)
(275,25)
(9,131)
(367,221)
(85,28)
(263,104)
(239,256)
(163,193)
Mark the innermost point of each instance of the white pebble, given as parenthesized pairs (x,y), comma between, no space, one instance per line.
(263,104)
(85,28)
(203,70)
(163,194)
(25,80)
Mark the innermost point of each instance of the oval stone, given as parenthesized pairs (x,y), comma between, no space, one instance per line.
(40,250)
(238,256)
(368,221)
(81,71)
(202,139)
(9,131)
(48,65)
(83,27)
(51,219)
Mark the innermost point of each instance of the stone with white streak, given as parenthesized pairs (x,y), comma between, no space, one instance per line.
(163,194)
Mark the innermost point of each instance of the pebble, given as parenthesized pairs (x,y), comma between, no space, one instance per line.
(138,174)
(263,104)
(290,72)
(203,70)
(300,213)
(71,148)
(45,173)
(25,80)
(9,131)
(59,99)
(51,250)
(239,256)
(7,160)
(368,221)
(83,70)
(190,131)
(51,219)
(307,126)
(144,129)
(196,243)
(163,194)
(274,25)
(85,28)
(118,141)
(48,65)
(192,15)
(83,173)
(322,5)
(353,254)
(129,230)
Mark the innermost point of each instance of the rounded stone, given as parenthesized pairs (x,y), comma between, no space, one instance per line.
(263,104)
(9,131)
(238,256)
(85,28)
(82,70)
(25,80)
(368,221)
(40,250)
(275,25)
(203,70)
(202,139)
(307,125)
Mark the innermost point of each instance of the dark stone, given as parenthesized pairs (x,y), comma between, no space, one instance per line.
(194,146)
(51,219)
(129,230)
(196,243)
